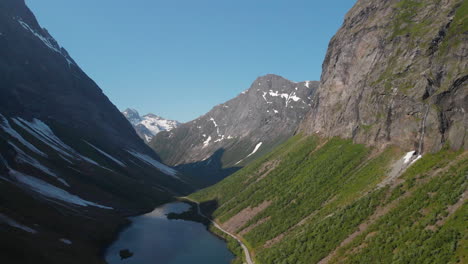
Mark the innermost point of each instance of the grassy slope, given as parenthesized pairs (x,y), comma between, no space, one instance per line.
(333,186)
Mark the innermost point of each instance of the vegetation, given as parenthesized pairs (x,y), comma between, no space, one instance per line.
(415,231)
(321,192)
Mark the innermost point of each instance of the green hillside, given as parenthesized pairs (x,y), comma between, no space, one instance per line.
(316,199)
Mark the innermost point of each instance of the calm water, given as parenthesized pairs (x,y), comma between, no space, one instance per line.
(154,239)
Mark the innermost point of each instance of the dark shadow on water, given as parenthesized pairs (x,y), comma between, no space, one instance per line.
(154,236)
(207,209)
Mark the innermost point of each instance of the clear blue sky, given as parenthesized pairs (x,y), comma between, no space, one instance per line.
(179,58)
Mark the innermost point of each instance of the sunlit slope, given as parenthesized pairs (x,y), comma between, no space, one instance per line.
(332,200)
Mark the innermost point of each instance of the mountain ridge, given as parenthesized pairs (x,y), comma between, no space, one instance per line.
(235,132)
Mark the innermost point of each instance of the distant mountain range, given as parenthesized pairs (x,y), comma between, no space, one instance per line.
(239,130)
(149,125)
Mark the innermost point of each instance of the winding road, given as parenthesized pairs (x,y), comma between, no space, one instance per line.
(244,247)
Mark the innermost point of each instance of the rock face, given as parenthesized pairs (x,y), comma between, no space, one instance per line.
(231,134)
(396,72)
(71,166)
(149,125)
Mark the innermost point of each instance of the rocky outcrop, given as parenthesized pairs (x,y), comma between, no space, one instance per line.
(396,73)
(235,132)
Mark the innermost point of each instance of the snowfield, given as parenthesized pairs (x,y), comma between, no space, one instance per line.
(50,191)
(5,125)
(45,134)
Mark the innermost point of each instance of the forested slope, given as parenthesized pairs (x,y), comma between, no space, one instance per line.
(331,200)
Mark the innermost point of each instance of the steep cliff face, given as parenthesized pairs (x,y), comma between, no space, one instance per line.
(234,133)
(396,72)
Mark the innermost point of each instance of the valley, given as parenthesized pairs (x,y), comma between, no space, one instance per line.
(369,164)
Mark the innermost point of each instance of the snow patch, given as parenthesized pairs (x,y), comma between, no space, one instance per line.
(214,122)
(408,156)
(65,159)
(253,152)
(25,159)
(265,93)
(220,139)
(105,154)
(7,220)
(65,241)
(158,165)
(217,128)
(43,132)
(5,125)
(48,41)
(148,138)
(271,93)
(50,191)
(416,159)
(288,97)
(255,149)
(207,141)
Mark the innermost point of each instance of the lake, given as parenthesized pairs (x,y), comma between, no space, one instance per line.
(154,239)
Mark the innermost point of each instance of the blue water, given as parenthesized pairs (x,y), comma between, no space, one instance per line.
(154,239)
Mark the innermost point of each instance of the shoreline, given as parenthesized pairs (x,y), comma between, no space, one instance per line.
(126,224)
(247,254)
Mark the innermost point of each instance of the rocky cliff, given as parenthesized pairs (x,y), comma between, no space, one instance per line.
(396,73)
(235,132)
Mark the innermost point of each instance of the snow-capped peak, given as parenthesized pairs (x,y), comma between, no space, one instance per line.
(149,125)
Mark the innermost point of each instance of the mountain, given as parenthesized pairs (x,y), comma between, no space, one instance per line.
(377,171)
(396,73)
(235,132)
(148,125)
(71,166)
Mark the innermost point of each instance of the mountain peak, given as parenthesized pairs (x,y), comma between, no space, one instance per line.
(263,116)
(149,125)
